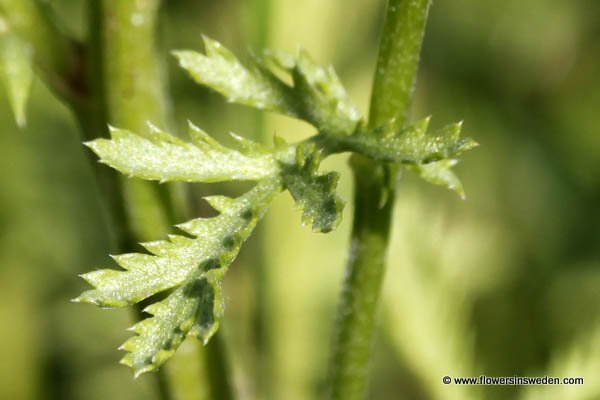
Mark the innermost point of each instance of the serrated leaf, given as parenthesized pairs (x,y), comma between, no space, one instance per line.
(316,94)
(198,303)
(16,69)
(409,145)
(321,205)
(163,157)
(220,70)
(430,155)
(192,267)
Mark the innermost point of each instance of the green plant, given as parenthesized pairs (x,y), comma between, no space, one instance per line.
(187,270)
(195,266)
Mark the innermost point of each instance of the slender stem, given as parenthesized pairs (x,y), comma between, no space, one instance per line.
(392,92)
(398,60)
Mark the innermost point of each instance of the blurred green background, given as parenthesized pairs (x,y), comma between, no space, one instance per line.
(505,283)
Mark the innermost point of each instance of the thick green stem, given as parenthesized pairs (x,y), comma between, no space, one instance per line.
(116,79)
(135,95)
(134,89)
(75,74)
(126,62)
(392,92)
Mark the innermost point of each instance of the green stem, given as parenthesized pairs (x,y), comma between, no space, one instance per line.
(126,61)
(133,81)
(74,73)
(135,95)
(116,79)
(391,97)
(398,60)
(71,71)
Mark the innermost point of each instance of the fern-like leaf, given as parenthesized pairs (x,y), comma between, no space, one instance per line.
(163,157)
(192,267)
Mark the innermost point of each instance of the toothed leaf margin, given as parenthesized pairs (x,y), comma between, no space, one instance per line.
(193,268)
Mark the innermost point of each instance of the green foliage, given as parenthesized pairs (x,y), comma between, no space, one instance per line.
(220,70)
(316,94)
(430,155)
(15,71)
(163,157)
(191,269)
(409,145)
(318,97)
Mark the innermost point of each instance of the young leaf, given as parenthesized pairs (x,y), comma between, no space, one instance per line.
(163,157)
(17,73)
(315,193)
(221,71)
(316,95)
(193,267)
